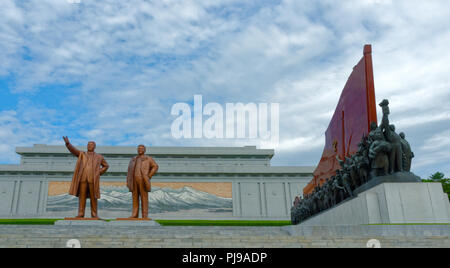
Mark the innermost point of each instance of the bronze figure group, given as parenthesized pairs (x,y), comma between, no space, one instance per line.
(382,152)
(90,166)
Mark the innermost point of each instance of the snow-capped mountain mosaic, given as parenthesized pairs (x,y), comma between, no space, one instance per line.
(160,200)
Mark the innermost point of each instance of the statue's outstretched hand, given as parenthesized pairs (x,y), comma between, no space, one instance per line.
(71,148)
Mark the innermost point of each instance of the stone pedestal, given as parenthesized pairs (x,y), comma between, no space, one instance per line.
(389,203)
(82,222)
(122,222)
(81,219)
(398,177)
(133,219)
(134,222)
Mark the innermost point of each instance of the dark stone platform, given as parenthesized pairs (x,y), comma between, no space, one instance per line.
(398,177)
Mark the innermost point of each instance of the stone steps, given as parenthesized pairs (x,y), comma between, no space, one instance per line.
(196,237)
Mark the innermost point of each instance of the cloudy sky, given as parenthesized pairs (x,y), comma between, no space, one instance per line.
(110,71)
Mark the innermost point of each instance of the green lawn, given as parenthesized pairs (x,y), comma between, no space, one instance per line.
(162,222)
(28,221)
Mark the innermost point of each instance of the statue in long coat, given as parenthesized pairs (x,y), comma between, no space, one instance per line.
(140,171)
(86,177)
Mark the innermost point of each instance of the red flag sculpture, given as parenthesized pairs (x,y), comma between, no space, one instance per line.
(355,111)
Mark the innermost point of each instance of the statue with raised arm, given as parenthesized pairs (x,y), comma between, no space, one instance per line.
(140,170)
(86,177)
(396,153)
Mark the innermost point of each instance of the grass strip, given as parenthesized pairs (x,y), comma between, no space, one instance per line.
(28,221)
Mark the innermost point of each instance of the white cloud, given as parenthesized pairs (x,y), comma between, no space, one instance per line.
(14,132)
(134,59)
(437,141)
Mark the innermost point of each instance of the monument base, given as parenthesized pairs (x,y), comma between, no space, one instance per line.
(133,219)
(134,222)
(81,219)
(389,203)
(125,222)
(398,177)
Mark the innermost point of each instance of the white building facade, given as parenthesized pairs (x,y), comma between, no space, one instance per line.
(192,183)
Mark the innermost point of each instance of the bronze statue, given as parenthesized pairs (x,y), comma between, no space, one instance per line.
(378,152)
(338,191)
(381,152)
(407,153)
(140,170)
(344,179)
(352,172)
(86,177)
(396,154)
(362,160)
